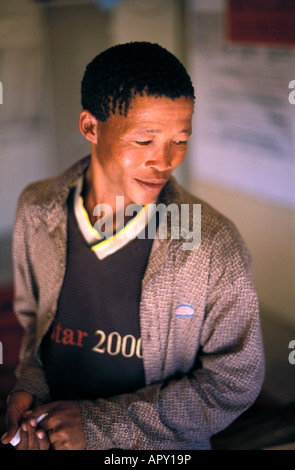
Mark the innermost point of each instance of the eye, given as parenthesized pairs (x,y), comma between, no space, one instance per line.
(143,142)
(180,142)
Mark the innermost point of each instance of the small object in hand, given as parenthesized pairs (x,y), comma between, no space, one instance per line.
(16,439)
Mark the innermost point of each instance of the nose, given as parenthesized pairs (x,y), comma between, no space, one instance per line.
(160,159)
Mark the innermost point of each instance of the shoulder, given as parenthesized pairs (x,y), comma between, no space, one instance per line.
(220,238)
(50,190)
(213,221)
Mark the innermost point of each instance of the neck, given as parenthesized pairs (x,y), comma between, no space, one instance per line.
(99,202)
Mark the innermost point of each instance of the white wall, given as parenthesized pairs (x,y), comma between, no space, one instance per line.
(26,138)
(251,183)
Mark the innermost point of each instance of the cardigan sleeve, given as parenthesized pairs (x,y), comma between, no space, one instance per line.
(29,372)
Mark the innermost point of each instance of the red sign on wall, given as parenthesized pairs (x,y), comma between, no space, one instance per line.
(268,22)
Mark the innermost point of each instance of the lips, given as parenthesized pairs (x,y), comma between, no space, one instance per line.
(151,185)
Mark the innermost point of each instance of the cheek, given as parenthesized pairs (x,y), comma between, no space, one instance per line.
(130,160)
(178,157)
(121,169)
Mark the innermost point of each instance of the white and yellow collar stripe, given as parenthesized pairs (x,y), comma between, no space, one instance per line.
(99,243)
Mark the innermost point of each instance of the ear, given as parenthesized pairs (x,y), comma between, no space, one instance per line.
(88,125)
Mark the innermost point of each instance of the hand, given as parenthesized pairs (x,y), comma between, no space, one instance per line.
(63,424)
(31,438)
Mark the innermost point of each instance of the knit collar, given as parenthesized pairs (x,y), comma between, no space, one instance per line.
(104,244)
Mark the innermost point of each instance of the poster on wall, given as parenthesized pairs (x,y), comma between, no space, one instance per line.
(268,22)
(244,123)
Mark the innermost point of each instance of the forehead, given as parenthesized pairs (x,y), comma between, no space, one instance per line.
(159,111)
(152,104)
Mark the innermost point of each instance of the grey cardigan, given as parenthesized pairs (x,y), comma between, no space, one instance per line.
(202,370)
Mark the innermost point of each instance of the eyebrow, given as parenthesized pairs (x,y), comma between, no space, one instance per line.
(157,131)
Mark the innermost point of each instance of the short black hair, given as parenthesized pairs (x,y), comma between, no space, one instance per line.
(117,74)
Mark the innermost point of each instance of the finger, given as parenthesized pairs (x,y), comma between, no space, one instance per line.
(51,422)
(57,439)
(24,438)
(33,441)
(40,428)
(43,441)
(13,423)
(35,421)
(39,415)
(9,435)
(41,409)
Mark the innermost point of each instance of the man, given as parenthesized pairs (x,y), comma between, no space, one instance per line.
(132,341)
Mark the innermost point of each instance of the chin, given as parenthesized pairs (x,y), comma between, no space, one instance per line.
(143,200)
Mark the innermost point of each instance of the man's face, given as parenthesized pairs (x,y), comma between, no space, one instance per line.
(135,155)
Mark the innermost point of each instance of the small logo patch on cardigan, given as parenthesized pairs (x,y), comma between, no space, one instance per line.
(184,310)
